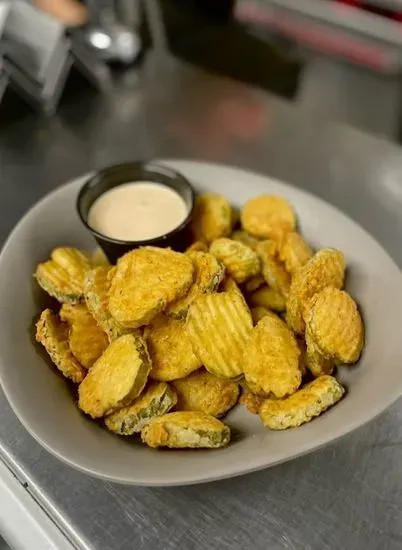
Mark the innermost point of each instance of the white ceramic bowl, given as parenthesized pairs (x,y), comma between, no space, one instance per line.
(44,404)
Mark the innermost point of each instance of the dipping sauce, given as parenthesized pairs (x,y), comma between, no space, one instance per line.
(137,211)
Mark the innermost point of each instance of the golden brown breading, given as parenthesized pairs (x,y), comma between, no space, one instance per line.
(251,401)
(219,327)
(96,293)
(86,339)
(326,268)
(294,252)
(146,281)
(335,325)
(212,217)
(99,259)
(186,429)
(209,273)
(268,217)
(53,335)
(63,275)
(268,298)
(271,359)
(254,283)
(198,246)
(316,362)
(240,261)
(258,312)
(156,400)
(301,407)
(170,349)
(244,237)
(116,378)
(273,271)
(203,391)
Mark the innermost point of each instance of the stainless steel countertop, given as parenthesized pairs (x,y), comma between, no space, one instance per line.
(346,496)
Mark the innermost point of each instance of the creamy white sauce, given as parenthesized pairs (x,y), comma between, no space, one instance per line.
(137,211)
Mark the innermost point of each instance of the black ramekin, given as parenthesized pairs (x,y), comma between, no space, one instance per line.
(119,174)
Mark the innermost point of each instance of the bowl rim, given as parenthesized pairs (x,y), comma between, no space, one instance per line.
(156,168)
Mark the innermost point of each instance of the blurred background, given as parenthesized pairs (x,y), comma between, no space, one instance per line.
(338,58)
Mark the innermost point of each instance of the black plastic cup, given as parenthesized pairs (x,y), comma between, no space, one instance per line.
(120,174)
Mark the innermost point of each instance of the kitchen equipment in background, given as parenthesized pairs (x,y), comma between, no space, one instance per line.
(365,33)
(37,55)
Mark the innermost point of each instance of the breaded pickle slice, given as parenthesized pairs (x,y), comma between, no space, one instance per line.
(170,349)
(99,259)
(251,401)
(198,246)
(335,325)
(326,268)
(268,216)
(269,298)
(212,217)
(254,283)
(219,326)
(53,335)
(203,391)
(86,339)
(240,261)
(146,281)
(63,275)
(315,361)
(274,273)
(96,293)
(243,237)
(271,359)
(117,377)
(186,429)
(301,407)
(294,251)
(156,400)
(258,312)
(209,273)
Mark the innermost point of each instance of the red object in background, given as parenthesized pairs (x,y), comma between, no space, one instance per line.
(389,14)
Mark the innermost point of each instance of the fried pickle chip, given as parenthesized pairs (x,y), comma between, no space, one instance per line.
(268,216)
(96,293)
(229,285)
(198,246)
(156,400)
(316,362)
(325,268)
(86,339)
(301,407)
(186,429)
(251,401)
(117,377)
(219,327)
(146,281)
(170,349)
(245,238)
(258,312)
(203,391)
(335,325)
(294,252)
(53,335)
(240,261)
(63,275)
(98,258)
(254,283)
(273,271)
(268,298)
(212,217)
(209,273)
(271,359)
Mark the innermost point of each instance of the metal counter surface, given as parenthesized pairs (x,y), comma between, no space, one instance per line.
(347,496)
